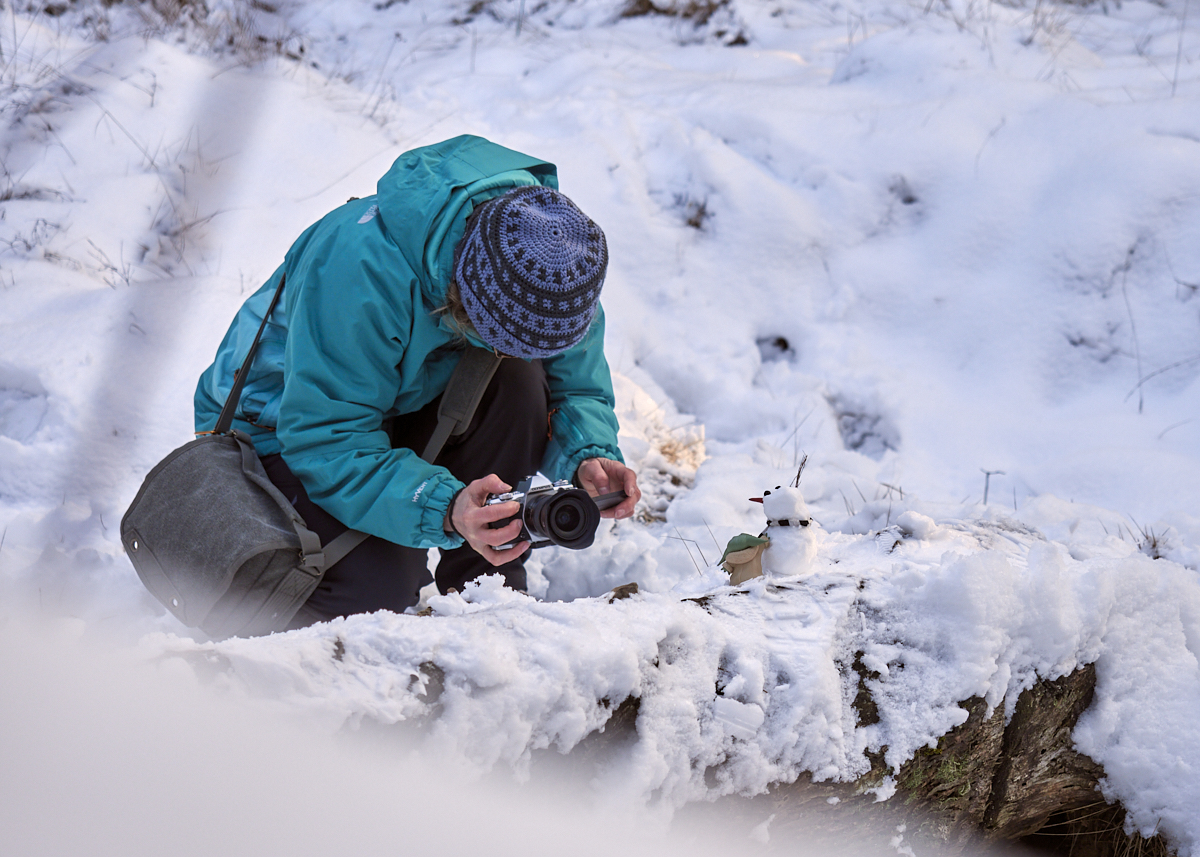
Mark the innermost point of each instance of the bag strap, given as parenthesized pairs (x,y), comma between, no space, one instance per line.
(460,400)
(459,403)
(342,545)
(239,380)
(310,544)
(315,557)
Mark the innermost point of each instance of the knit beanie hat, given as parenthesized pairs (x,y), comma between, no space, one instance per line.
(529,269)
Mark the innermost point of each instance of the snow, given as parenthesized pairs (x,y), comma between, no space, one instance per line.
(914,244)
(107,755)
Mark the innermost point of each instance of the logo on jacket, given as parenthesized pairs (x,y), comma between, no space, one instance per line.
(370,215)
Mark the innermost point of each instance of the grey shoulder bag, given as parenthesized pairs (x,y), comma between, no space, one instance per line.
(220,546)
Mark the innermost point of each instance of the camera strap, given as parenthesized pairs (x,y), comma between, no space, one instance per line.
(461,398)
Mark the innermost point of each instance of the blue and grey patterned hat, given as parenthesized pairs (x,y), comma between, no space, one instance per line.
(529,270)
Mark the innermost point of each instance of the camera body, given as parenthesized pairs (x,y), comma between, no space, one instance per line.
(553,513)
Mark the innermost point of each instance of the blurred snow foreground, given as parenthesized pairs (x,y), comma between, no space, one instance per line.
(912,241)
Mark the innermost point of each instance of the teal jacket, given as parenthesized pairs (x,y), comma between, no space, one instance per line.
(355,340)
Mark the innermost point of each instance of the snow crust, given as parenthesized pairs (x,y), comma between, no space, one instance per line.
(910,243)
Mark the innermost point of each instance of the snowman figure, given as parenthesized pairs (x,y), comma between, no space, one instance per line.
(791,531)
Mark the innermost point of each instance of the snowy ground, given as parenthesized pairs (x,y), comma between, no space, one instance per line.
(912,242)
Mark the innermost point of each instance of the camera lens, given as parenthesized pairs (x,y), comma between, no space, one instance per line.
(566,518)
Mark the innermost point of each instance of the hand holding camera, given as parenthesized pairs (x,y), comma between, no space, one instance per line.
(471,517)
(600,476)
(500,523)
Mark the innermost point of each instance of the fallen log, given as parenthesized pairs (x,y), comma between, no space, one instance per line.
(986,783)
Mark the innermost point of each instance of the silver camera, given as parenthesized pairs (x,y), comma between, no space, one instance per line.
(553,513)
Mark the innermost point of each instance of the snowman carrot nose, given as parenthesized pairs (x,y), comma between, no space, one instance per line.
(756,499)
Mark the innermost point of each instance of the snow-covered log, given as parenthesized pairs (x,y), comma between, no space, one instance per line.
(988,781)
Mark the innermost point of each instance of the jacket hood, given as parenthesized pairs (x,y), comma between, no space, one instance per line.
(425,198)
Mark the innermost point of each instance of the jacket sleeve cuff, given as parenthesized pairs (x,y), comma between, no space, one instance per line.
(433,515)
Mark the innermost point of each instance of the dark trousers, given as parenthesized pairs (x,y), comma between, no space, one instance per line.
(507,436)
